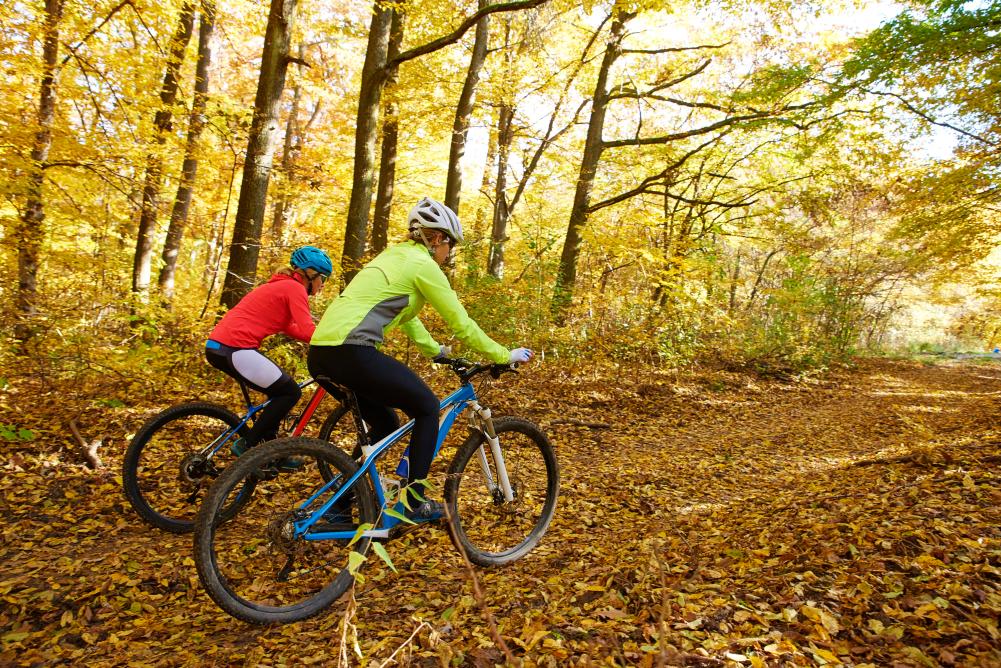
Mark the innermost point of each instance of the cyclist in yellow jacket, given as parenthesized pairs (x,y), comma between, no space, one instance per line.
(387,293)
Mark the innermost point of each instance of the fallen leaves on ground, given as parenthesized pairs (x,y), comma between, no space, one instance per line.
(705,519)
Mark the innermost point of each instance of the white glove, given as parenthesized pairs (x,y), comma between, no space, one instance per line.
(443,351)
(521,355)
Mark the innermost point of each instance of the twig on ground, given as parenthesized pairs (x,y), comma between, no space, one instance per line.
(581,423)
(347,625)
(404,644)
(89,449)
(478,596)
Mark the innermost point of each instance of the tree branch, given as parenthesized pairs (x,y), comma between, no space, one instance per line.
(677,49)
(667,84)
(89,449)
(666,139)
(457,34)
(917,112)
(644,186)
(72,49)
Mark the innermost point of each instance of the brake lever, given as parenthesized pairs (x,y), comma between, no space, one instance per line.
(461,363)
(498,370)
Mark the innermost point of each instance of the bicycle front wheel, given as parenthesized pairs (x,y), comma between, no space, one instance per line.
(491,530)
(253,565)
(166,468)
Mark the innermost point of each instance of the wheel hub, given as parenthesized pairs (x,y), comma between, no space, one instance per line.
(281,532)
(193,468)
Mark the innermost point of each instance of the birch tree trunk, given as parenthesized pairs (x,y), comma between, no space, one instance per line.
(30,233)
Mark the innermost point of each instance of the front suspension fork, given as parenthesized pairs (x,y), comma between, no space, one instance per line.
(482,421)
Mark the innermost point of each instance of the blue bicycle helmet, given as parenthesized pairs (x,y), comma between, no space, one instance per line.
(311,257)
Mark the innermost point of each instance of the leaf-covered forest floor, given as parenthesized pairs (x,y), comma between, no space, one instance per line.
(706,518)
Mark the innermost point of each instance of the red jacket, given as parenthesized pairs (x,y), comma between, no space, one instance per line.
(280,305)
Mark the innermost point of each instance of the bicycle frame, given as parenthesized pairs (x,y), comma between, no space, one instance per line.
(254,409)
(450,408)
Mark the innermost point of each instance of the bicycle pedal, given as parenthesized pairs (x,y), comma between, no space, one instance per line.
(267,472)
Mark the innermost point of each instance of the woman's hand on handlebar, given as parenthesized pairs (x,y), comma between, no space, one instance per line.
(521,356)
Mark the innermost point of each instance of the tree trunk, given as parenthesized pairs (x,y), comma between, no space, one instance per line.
(486,182)
(189,168)
(734,278)
(373,80)
(246,245)
(141,266)
(498,233)
(295,139)
(390,138)
(475,233)
(280,216)
(30,233)
(566,275)
(464,109)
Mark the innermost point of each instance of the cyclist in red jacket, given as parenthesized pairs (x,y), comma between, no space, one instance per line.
(279,306)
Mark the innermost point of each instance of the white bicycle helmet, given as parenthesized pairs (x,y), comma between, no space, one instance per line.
(434,215)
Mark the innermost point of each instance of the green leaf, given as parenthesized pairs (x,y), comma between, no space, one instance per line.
(362,528)
(380,550)
(111,403)
(355,560)
(26,434)
(448,613)
(398,515)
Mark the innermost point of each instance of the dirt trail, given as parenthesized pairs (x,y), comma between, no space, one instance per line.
(705,519)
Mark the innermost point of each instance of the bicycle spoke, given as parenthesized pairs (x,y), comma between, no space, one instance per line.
(166,466)
(491,529)
(253,564)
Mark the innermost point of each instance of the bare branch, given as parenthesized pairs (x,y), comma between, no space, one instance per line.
(917,112)
(457,34)
(661,86)
(72,49)
(480,598)
(666,139)
(647,183)
(693,105)
(677,49)
(89,449)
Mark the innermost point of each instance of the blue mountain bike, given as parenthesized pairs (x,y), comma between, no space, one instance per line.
(179,452)
(294,547)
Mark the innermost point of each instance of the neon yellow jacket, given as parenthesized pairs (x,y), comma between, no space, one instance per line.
(389,292)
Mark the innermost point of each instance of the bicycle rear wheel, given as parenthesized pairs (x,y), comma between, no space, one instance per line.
(493,531)
(340,429)
(252,565)
(166,471)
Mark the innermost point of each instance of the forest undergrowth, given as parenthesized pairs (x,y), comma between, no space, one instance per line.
(707,518)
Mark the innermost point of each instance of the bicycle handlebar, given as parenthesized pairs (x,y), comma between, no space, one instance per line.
(466,370)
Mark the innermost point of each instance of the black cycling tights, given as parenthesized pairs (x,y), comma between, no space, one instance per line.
(382,383)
